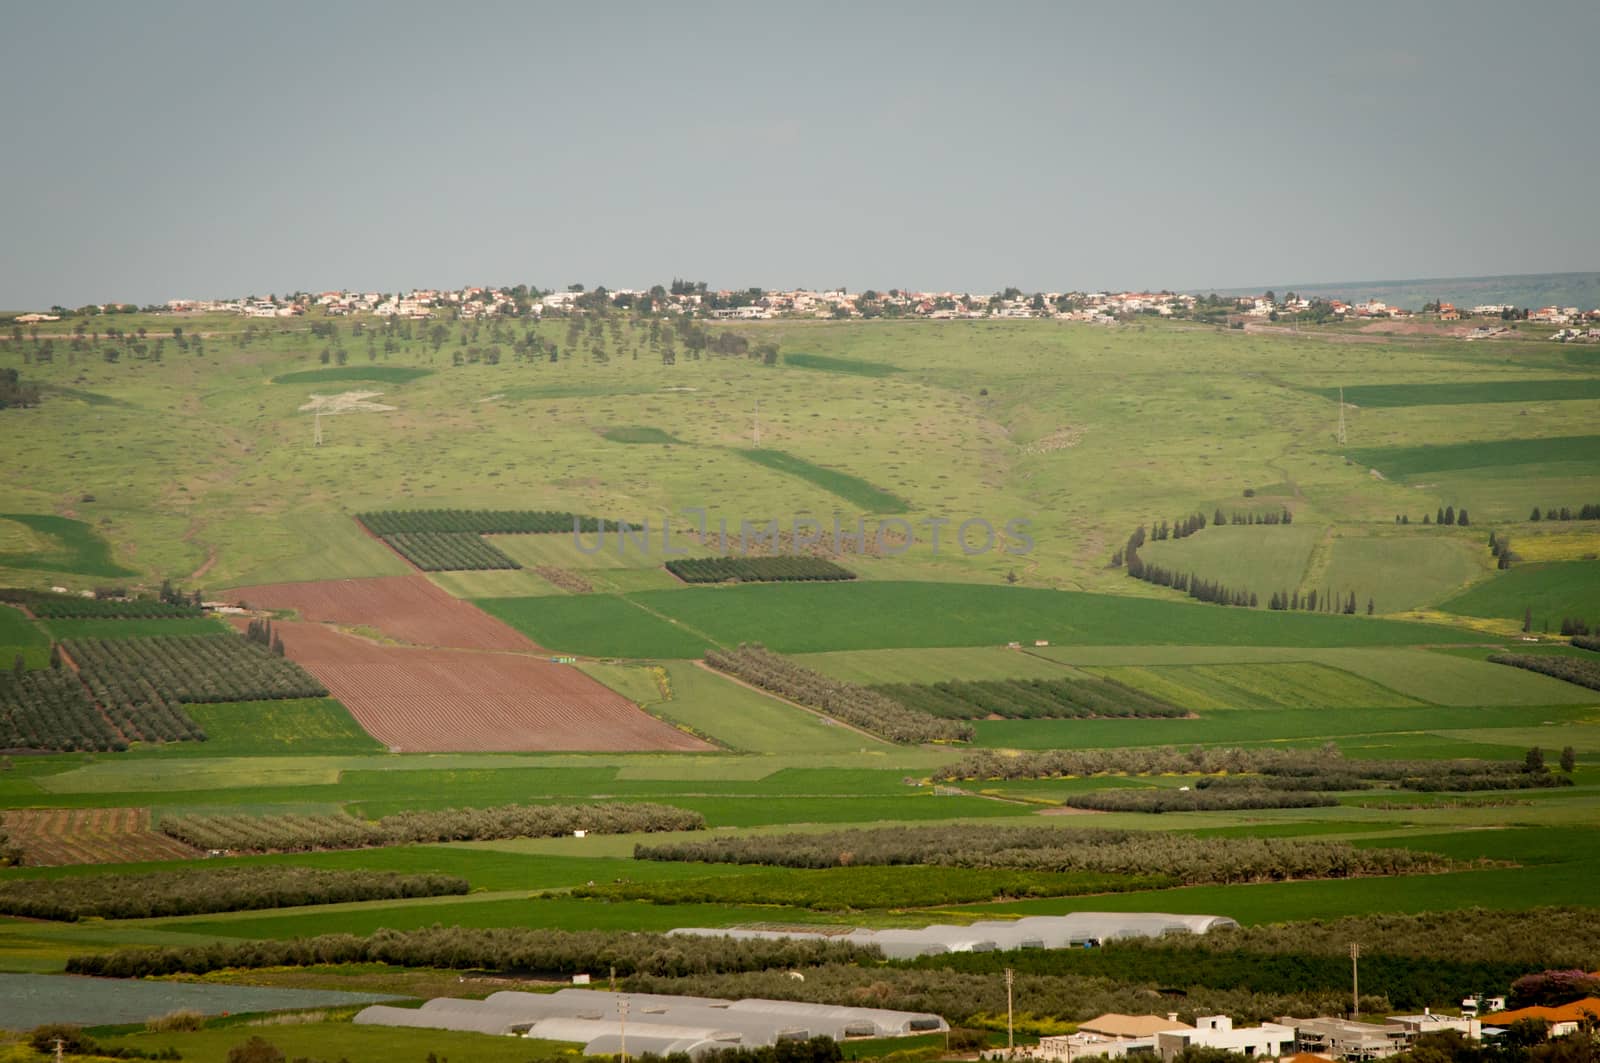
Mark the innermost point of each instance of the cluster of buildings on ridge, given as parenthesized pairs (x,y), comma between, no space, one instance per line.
(1115,1036)
(757,305)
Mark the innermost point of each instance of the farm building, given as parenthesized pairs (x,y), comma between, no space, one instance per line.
(653,1022)
(1078,930)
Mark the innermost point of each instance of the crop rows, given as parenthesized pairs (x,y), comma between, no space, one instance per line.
(856,705)
(449,551)
(757,570)
(1580,670)
(245,833)
(517,949)
(47,606)
(479,521)
(49,709)
(1030,699)
(1191,860)
(194,668)
(194,892)
(1305,763)
(1157,799)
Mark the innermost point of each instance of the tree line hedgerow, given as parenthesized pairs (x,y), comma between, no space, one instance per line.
(450,551)
(872,887)
(47,605)
(553,952)
(1030,699)
(1583,671)
(1190,860)
(1326,761)
(291,833)
(757,569)
(194,892)
(1588,512)
(1194,586)
(480,521)
(1158,799)
(856,705)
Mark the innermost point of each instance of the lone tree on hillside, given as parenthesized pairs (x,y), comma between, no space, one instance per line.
(1569,759)
(1533,763)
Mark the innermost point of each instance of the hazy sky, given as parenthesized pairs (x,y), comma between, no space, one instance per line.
(155,150)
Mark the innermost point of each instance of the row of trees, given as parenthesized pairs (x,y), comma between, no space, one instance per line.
(1194,586)
(1251,517)
(48,605)
(1505,557)
(1030,699)
(1189,859)
(1583,671)
(856,705)
(260,632)
(757,569)
(516,950)
(1313,602)
(450,551)
(481,521)
(1586,642)
(1158,799)
(297,833)
(194,892)
(1289,763)
(1445,515)
(1588,512)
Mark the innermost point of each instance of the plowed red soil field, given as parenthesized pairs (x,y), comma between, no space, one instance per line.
(423,700)
(51,837)
(405,608)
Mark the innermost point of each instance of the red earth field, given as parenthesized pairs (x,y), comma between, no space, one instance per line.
(405,608)
(464,683)
(422,700)
(51,837)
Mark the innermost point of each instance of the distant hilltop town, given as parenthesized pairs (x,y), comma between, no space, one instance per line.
(756,304)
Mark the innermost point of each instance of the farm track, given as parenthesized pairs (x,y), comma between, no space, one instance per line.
(444,700)
(61,836)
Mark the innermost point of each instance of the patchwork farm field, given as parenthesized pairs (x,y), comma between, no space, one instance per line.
(786,618)
(203,471)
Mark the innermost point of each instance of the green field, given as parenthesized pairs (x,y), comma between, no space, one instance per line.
(1465,392)
(21,637)
(1259,686)
(1400,572)
(1552,591)
(205,471)
(387,374)
(852,489)
(1260,558)
(319,727)
(1407,463)
(838,365)
(812,618)
(56,544)
(639,435)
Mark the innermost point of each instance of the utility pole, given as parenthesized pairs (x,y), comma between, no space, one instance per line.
(622,1026)
(758,423)
(316,437)
(1011,1039)
(1355,981)
(1341,415)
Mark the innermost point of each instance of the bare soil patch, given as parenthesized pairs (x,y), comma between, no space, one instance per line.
(427,700)
(51,837)
(405,608)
